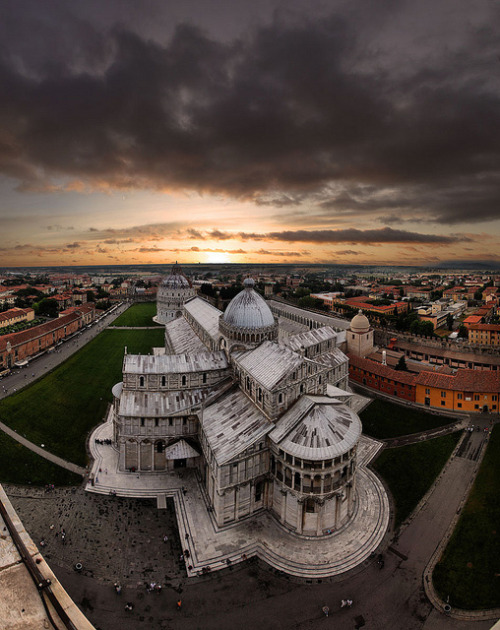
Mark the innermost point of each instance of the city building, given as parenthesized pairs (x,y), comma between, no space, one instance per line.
(15,316)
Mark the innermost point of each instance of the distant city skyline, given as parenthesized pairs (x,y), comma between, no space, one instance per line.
(264,132)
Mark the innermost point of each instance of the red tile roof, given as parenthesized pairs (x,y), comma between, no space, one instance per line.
(462,381)
(24,336)
(382,370)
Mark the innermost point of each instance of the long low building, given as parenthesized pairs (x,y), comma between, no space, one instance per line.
(22,346)
(463,390)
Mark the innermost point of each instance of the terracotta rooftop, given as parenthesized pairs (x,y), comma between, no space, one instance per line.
(382,370)
(462,381)
(24,336)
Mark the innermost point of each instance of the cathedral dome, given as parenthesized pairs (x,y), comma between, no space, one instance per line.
(248,309)
(176,279)
(360,323)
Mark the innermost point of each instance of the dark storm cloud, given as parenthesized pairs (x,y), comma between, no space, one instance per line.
(351,235)
(276,117)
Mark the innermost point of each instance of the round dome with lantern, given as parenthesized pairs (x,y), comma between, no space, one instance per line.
(360,323)
(172,294)
(359,336)
(248,318)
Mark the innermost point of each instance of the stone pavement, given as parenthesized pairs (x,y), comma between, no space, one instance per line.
(212,548)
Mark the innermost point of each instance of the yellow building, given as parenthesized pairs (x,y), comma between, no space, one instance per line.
(16,315)
(466,390)
(485,334)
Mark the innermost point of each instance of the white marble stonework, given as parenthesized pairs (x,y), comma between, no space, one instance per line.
(262,423)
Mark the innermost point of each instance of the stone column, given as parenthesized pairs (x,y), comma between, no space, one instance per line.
(319,523)
(236,502)
(284,494)
(300,515)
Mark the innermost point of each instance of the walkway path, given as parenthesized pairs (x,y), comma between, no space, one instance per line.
(40,366)
(39,450)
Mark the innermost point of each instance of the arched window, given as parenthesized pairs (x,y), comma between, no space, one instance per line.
(184,379)
(204,377)
(163,381)
(141,381)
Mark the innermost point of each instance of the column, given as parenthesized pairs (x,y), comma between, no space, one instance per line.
(283,506)
(300,515)
(319,523)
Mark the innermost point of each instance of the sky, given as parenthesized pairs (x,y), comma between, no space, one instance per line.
(250,132)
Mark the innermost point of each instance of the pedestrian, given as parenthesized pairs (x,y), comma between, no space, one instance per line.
(179,604)
(165,539)
(186,536)
(326,611)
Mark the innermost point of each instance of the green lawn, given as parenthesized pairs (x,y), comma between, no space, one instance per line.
(60,409)
(140,314)
(20,465)
(409,471)
(469,570)
(383,420)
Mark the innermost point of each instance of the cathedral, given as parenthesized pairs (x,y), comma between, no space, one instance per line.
(257,404)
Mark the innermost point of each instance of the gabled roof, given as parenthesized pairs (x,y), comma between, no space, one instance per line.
(332,358)
(181,337)
(174,363)
(382,370)
(464,381)
(156,404)
(180,450)
(232,424)
(205,314)
(311,338)
(269,363)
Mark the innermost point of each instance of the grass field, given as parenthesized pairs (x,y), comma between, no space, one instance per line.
(469,572)
(61,408)
(140,314)
(21,466)
(383,420)
(409,471)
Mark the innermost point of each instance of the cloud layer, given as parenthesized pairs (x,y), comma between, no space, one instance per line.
(296,113)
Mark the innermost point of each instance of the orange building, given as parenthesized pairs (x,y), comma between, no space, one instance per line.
(466,390)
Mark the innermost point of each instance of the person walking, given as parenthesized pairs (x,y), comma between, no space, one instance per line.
(179,604)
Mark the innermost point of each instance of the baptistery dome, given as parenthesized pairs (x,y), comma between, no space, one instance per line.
(176,279)
(173,292)
(248,318)
(360,323)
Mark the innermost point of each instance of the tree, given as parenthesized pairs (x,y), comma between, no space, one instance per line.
(401,364)
(309,302)
(463,332)
(207,289)
(90,296)
(47,306)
